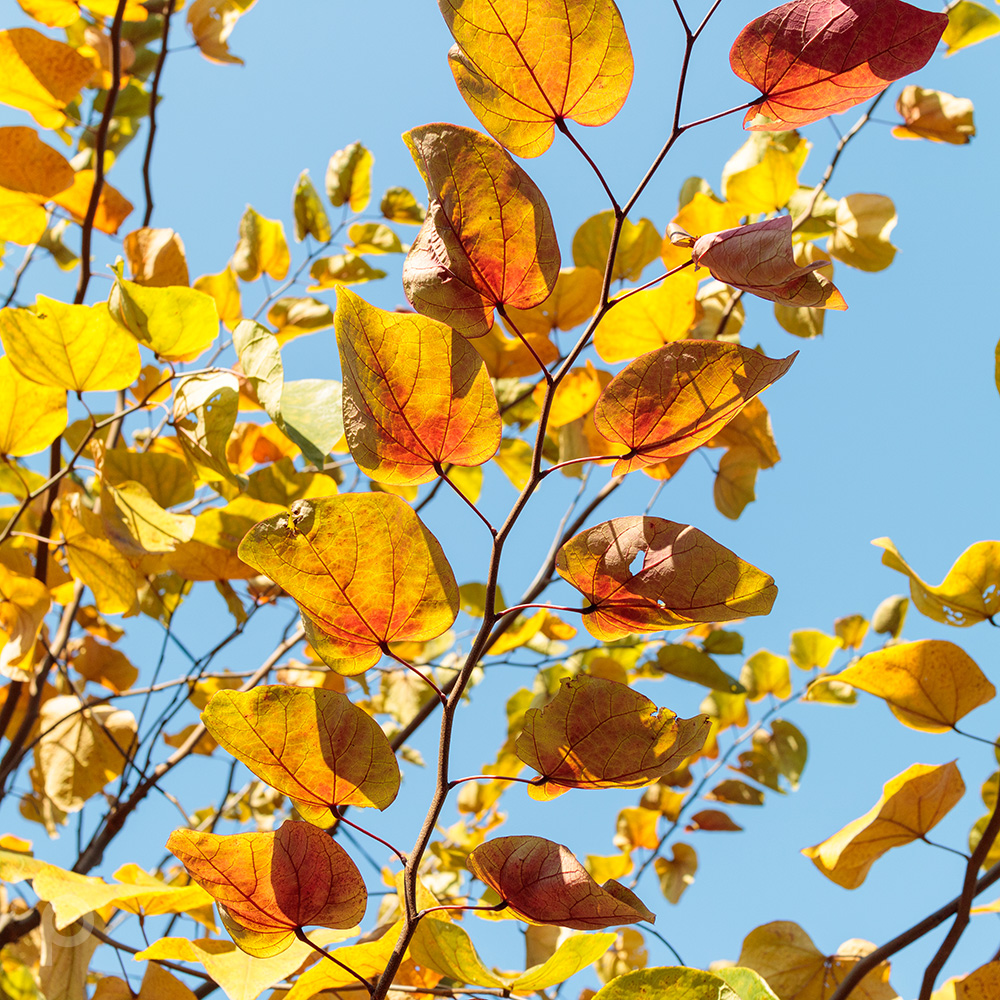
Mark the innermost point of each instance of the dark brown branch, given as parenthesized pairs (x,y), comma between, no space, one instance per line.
(147,160)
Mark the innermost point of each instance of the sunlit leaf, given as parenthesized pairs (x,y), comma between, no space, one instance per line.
(342,269)
(929,685)
(212,22)
(543,883)
(813,59)
(399,205)
(205,407)
(293,317)
(166,477)
(574,954)
(156,257)
(40,75)
(30,173)
(447,948)
(522,69)
(225,290)
(667,983)
(574,300)
(685,577)
(509,357)
(349,177)
(934,115)
(416,395)
(672,400)
(969,23)
(261,249)
(363,567)
(24,603)
(32,416)
(310,216)
(680,659)
(488,239)
(970,592)
(105,665)
(313,745)
(810,648)
(137,524)
(676,874)
(113,208)
(597,733)
(271,884)
(638,245)
(762,176)
(80,348)
(861,232)
(758,258)
(911,804)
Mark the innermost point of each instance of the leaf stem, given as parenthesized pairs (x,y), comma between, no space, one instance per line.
(564,128)
(301,935)
(409,666)
(341,818)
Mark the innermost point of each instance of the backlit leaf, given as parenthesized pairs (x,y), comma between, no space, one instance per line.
(447,948)
(765,673)
(212,22)
(166,477)
(175,323)
(261,249)
(508,357)
(105,665)
(677,873)
(24,603)
(156,257)
(205,407)
(758,258)
(810,648)
(969,23)
(543,883)
(762,176)
(112,207)
(293,317)
(32,416)
(137,524)
(712,821)
(911,804)
(488,239)
(310,216)
(638,245)
(349,177)
(813,58)
(672,400)
(861,232)
(363,567)
(521,68)
(970,592)
(929,685)
(416,395)
(342,269)
(680,659)
(313,745)
(80,348)
(272,884)
(225,290)
(934,115)
(399,205)
(667,983)
(597,733)
(30,166)
(574,300)
(685,577)
(40,75)
(737,793)
(574,954)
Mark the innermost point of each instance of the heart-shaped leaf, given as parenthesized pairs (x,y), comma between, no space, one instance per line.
(543,883)
(813,58)
(523,67)
(685,577)
(488,239)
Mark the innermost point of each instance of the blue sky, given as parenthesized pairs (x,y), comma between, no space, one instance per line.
(886,424)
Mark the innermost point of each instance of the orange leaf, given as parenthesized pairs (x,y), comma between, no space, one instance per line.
(523,67)
(29,165)
(543,883)
(112,207)
(758,258)
(813,58)
(271,884)
(685,577)
(673,400)
(598,733)
(362,567)
(488,239)
(912,803)
(156,257)
(313,745)
(416,395)
(929,685)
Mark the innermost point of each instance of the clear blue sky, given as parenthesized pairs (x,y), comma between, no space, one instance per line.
(886,425)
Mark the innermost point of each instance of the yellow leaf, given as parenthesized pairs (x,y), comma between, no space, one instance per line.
(400,205)
(22,217)
(763,174)
(349,177)
(310,216)
(514,459)
(701,215)
(79,348)
(573,301)
(969,23)
(24,603)
(65,957)
(970,592)
(861,234)
(104,665)
(638,245)
(677,874)
(575,396)
(81,749)
(911,804)
(112,207)
(156,257)
(261,249)
(212,22)
(40,75)
(158,984)
(373,237)
(766,673)
(205,408)
(226,292)
(293,317)
(31,416)
(810,648)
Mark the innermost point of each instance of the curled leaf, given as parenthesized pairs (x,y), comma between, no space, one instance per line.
(813,58)
(597,733)
(758,258)
(934,115)
(685,577)
(543,883)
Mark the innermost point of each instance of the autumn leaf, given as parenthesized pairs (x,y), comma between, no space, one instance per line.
(310,216)
(156,257)
(813,58)
(861,231)
(212,22)
(447,949)
(597,733)
(761,176)
(488,239)
(24,603)
(758,258)
(204,414)
(113,208)
(362,567)
(671,401)
(934,115)
(543,883)
(261,249)
(313,745)
(225,290)
(685,577)
(137,525)
(31,172)
(269,885)
(929,685)
(522,70)
(349,177)
(970,592)
(968,23)
(416,395)
(911,804)
(668,983)
(293,317)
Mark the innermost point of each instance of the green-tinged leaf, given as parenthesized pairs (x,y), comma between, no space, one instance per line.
(736,792)
(676,874)
(349,177)
(679,659)
(969,23)
(342,269)
(667,983)
(447,949)
(766,673)
(574,954)
(373,237)
(312,415)
(399,205)
(310,216)
(746,984)
(205,408)
(137,524)
(261,248)
(809,648)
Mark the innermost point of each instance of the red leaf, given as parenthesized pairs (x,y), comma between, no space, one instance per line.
(813,58)
(543,883)
(759,259)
